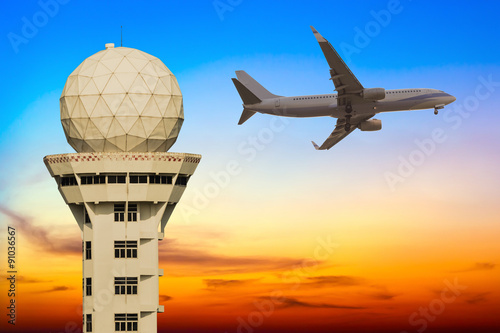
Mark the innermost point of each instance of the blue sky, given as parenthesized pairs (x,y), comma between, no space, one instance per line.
(445,45)
(187,35)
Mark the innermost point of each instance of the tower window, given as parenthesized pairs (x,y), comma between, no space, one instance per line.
(160,179)
(119,212)
(86,180)
(88,250)
(99,179)
(88,286)
(68,181)
(89,180)
(181,180)
(117,179)
(132,212)
(138,179)
(125,285)
(88,324)
(126,322)
(125,249)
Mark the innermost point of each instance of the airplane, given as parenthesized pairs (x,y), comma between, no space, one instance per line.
(353,105)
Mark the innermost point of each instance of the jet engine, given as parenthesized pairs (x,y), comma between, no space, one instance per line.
(371,125)
(373,94)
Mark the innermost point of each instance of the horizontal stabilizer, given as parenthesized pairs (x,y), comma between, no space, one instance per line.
(245,115)
(246,95)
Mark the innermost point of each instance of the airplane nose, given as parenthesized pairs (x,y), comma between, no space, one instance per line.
(450,99)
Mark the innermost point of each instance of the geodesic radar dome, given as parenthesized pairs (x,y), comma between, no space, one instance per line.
(121,100)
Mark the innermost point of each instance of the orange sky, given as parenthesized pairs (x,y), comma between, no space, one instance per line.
(355,275)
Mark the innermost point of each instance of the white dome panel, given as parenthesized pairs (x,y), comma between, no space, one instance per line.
(151,109)
(125,67)
(89,102)
(126,79)
(139,86)
(101,81)
(90,89)
(101,70)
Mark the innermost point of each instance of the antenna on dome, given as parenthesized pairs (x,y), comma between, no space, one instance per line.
(121,35)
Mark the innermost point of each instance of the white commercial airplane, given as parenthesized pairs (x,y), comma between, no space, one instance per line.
(353,105)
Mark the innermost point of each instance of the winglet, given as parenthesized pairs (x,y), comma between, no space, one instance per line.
(319,38)
(314,143)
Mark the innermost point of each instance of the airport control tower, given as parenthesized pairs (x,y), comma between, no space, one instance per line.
(121,110)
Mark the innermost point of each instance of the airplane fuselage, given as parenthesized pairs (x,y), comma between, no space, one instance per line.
(326,105)
(353,105)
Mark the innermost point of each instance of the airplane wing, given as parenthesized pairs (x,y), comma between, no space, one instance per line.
(339,132)
(344,80)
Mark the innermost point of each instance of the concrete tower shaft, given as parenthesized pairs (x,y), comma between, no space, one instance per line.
(122,203)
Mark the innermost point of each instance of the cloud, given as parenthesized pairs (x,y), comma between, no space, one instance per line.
(59,288)
(477,298)
(196,262)
(333,280)
(199,233)
(324,281)
(23,279)
(41,237)
(165,298)
(383,296)
(213,284)
(483,266)
(54,289)
(478,266)
(382,293)
(289,302)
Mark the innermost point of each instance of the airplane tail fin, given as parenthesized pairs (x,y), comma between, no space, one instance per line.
(254,86)
(251,92)
(246,95)
(245,115)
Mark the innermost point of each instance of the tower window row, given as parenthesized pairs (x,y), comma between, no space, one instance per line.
(87,180)
(126,322)
(123,249)
(70,180)
(120,212)
(125,285)
(87,322)
(88,286)
(88,250)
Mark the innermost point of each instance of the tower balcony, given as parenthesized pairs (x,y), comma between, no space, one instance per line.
(115,177)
